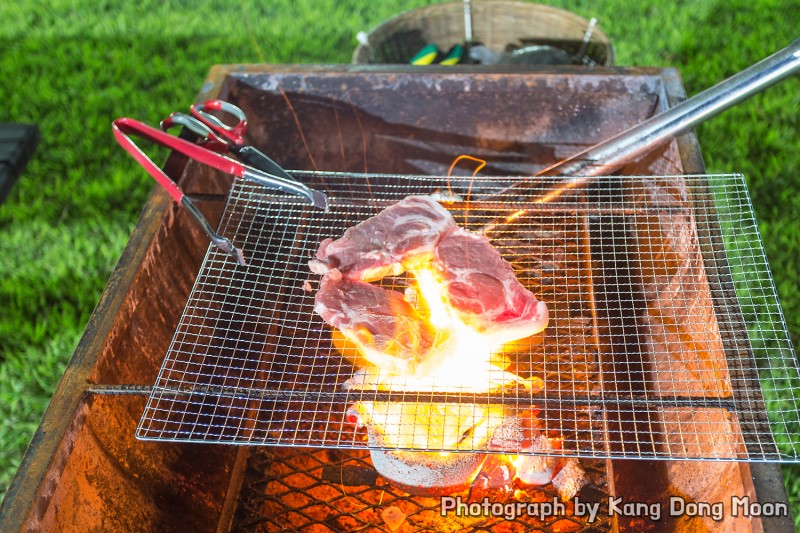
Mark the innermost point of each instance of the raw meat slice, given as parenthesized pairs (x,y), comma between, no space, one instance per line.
(418,234)
(387,330)
(483,289)
(386,244)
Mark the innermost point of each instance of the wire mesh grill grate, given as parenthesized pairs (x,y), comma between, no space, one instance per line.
(666,339)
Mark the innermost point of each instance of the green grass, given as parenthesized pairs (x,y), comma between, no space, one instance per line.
(73,66)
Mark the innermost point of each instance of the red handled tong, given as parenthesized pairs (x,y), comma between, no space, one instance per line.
(124,128)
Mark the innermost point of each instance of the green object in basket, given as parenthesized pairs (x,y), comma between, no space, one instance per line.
(453,56)
(426,56)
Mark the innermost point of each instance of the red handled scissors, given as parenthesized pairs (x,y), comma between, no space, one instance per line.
(224,138)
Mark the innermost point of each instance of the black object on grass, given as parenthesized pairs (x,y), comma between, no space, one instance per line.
(17,144)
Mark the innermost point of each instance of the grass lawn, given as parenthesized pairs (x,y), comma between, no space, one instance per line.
(72,66)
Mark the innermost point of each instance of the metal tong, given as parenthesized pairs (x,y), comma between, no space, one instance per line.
(124,128)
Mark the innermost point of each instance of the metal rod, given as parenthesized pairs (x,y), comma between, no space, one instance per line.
(608,156)
(121,390)
(506,397)
(467,21)
(587,37)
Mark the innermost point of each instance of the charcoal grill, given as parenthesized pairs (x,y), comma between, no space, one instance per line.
(85,467)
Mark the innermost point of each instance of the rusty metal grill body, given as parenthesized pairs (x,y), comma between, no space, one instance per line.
(644,356)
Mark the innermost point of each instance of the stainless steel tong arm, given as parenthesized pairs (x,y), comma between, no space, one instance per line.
(608,156)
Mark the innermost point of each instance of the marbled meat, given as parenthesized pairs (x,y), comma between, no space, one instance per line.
(388,243)
(388,331)
(414,233)
(483,289)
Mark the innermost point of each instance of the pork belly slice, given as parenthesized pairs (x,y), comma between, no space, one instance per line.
(483,289)
(387,330)
(401,235)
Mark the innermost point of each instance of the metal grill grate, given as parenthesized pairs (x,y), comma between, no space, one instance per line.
(302,489)
(666,339)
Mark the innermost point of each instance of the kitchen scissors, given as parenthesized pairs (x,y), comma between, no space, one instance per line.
(225,138)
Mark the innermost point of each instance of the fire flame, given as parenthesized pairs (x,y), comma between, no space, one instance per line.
(466,361)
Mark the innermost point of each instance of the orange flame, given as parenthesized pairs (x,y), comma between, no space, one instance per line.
(466,361)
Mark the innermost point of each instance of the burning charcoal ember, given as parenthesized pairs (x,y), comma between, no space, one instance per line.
(537,469)
(521,432)
(387,330)
(518,431)
(350,475)
(495,479)
(384,245)
(393,517)
(427,473)
(483,289)
(509,436)
(569,480)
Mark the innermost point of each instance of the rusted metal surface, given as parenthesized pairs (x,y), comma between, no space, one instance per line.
(352,118)
(762,481)
(399,124)
(110,483)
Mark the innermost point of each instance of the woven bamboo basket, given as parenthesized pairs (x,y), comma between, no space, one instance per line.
(500,25)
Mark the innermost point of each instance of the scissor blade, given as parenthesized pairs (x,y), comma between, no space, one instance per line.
(258,159)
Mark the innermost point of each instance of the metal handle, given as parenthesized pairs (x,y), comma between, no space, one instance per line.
(124,127)
(271,174)
(259,160)
(627,146)
(316,198)
(467,22)
(218,240)
(235,133)
(209,139)
(182,119)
